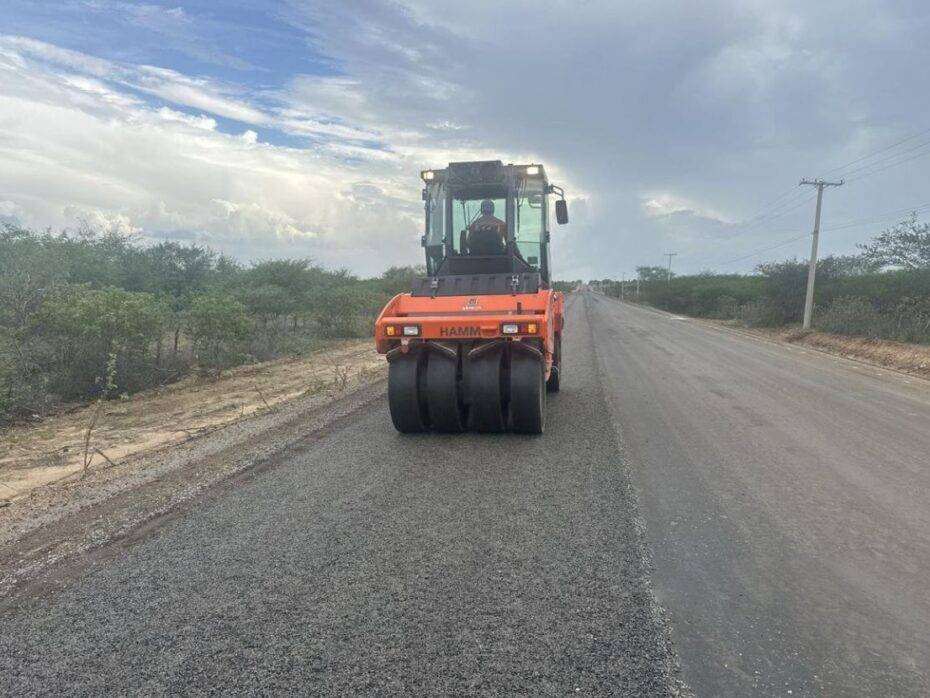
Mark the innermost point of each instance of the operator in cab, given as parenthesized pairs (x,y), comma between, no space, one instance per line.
(487,234)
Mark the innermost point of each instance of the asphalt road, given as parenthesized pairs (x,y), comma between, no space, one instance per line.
(786,497)
(369,562)
(781,495)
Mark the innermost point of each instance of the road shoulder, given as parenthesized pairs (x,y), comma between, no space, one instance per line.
(898,358)
(66,522)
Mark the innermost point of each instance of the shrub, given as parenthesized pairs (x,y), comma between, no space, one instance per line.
(852,315)
(83,327)
(346,311)
(727,308)
(761,313)
(218,325)
(911,320)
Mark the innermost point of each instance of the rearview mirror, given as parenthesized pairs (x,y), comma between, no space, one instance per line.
(561,211)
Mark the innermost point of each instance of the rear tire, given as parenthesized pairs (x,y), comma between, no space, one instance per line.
(555,375)
(405,378)
(486,388)
(443,396)
(527,393)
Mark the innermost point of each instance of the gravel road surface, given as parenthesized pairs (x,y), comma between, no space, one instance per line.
(786,498)
(368,562)
(780,517)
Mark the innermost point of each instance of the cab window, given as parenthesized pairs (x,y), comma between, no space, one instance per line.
(528,230)
(466,211)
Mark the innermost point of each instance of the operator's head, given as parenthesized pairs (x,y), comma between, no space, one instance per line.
(487,208)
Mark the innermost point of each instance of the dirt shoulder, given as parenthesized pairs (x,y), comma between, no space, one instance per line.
(162,448)
(58,448)
(913,359)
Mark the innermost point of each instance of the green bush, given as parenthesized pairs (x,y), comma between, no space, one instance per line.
(853,295)
(727,308)
(83,327)
(700,295)
(761,313)
(911,320)
(218,325)
(68,301)
(852,315)
(346,311)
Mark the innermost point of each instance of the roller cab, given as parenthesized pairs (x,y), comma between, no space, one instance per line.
(476,343)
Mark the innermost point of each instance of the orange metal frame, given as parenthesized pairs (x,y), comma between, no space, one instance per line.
(470,318)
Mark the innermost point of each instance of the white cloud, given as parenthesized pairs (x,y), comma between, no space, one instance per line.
(252,221)
(664,205)
(11,212)
(200,121)
(666,122)
(74,154)
(103,221)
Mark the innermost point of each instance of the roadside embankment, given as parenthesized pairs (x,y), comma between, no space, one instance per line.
(152,452)
(913,359)
(99,435)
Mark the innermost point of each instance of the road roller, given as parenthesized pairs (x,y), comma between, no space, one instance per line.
(476,344)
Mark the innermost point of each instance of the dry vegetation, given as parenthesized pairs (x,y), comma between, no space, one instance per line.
(908,358)
(98,435)
(913,359)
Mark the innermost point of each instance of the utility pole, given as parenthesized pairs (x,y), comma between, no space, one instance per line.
(622,279)
(670,255)
(812,269)
(637,289)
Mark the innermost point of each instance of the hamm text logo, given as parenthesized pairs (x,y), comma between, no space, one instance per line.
(459,331)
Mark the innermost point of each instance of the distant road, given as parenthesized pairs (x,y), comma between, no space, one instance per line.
(786,497)
(782,499)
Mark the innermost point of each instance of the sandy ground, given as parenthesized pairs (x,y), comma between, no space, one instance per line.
(54,450)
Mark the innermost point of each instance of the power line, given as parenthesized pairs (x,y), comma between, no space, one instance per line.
(768,248)
(785,203)
(768,208)
(842,226)
(779,212)
(881,161)
(873,218)
(878,152)
(878,217)
(892,164)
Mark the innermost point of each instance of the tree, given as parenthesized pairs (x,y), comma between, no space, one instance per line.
(346,311)
(84,327)
(652,273)
(283,287)
(178,273)
(836,266)
(784,285)
(218,324)
(906,245)
(400,279)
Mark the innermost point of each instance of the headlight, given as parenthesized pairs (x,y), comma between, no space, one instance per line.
(519,328)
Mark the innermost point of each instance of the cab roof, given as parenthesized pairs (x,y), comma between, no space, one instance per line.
(483,172)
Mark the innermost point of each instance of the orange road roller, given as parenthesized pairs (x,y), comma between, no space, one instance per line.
(477,343)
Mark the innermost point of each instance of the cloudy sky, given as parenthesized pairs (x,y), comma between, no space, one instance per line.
(299,129)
